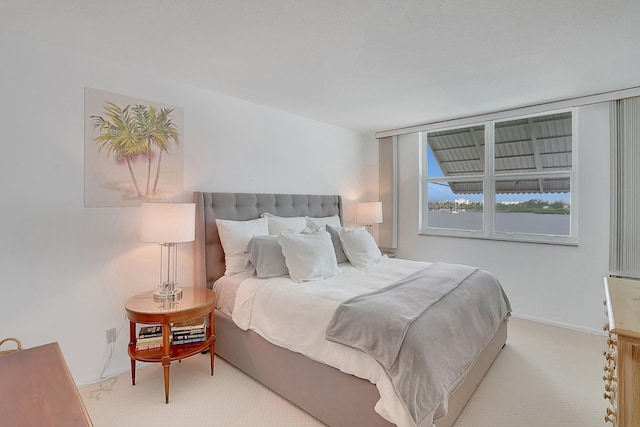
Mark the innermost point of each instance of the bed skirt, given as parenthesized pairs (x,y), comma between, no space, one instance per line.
(326,393)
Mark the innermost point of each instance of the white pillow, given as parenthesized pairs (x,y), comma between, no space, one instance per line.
(316,223)
(235,236)
(309,256)
(280,224)
(359,246)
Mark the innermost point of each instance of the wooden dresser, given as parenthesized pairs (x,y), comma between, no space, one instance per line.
(36,389)
(622,357)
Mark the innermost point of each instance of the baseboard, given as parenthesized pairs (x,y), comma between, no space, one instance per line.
(560,324)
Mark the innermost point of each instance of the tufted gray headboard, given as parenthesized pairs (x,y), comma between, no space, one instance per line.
(208,253)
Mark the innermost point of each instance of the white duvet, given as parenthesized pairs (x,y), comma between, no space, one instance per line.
(295,316)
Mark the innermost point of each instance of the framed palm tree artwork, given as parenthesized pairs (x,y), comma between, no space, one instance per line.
(133,150)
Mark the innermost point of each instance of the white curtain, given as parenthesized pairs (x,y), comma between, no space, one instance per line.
(624,244)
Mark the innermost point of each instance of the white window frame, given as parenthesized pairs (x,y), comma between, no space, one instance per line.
(489,179)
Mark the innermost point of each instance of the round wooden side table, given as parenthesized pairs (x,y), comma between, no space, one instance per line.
(195,303)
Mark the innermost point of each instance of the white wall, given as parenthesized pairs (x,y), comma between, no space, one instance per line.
(67,270)
(555,284)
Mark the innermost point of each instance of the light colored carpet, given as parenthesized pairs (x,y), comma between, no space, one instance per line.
(545,376)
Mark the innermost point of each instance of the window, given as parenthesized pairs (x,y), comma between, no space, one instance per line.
(507,179)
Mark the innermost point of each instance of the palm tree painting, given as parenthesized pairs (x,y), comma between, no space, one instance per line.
(133,150)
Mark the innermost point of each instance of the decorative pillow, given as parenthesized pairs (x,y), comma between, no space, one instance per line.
(337,244)
(265,255)
(235,236)
(309,256)
(359,246)
(280,224)
(333,221)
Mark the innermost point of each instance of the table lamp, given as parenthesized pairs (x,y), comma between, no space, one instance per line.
(168,224)
(369,213)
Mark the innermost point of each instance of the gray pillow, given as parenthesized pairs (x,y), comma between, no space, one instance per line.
(265,255)
(337,244)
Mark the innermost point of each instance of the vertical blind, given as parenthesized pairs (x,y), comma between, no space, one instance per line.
(388,189)
(624,240)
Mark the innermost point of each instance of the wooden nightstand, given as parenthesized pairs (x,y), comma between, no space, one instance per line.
(195,303)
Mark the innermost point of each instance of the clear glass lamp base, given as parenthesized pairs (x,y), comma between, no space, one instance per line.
(162,295)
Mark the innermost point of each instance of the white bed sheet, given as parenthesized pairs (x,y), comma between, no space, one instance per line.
(295,316)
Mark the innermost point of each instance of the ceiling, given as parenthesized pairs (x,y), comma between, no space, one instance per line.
(365,65)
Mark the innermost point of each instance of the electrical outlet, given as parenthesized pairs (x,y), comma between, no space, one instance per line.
(111,335)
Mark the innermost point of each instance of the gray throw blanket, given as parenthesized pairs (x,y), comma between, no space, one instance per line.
(425,330)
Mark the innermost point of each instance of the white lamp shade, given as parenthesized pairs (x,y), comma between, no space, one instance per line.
(369,213)
(168,222)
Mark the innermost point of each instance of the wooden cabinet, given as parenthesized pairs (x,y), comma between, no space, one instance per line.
(622,357)
(38,390)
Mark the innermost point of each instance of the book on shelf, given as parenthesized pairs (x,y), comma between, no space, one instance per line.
(180,337)
(188,336)
(148,347)
(193,330)
(150,331)
(188,332)
(188,325)
(149,337)
(148,340)
(189,340)
(148,343)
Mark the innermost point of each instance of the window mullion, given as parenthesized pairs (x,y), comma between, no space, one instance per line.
(424,183)
(489,181)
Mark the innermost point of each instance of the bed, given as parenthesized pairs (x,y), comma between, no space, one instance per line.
(334,397)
